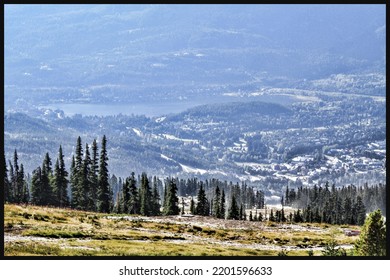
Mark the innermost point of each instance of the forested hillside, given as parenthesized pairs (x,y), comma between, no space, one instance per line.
(88,186)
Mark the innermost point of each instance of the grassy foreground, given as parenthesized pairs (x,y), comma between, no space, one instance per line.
(44,231)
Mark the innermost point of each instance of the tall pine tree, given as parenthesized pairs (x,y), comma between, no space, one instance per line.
(93,176)
(60,187)
(202,206)
(36,187)
(155,198)
(134,205)
(234,211)
(145,196)
(217,203)
(171,205)
(104,194)
(85,184)
(7,187)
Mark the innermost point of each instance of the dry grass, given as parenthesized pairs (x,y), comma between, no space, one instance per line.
(46,231)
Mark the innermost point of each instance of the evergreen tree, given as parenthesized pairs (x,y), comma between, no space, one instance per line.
(372,239)
(347,211)
(11,183)
(104,195)
(77,177)
(145,196)
(46,189)
(182,206)
(234,211)
(124,198)
(74,184)
(217,203)
(202,207)
(222,205)
(17,180)
(242,213)
(47,165)
(47,179)
(86,202)
(192,206)
(93,176)
(272,217)
(134,205)
(172,201)
(282,216)
(7,188)
(155,198)
(25,190)
(36,187)
(60,187)
(360,210)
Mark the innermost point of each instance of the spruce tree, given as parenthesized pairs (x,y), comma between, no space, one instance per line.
(272,217)
(17,180)
(104,194)
(77,177)
(93,176)
(234,211)
(192,206)
(182,206)
(25,191)
(217,203)
(172,201)
(241,212)
(372,239)
(7,188)
(222,205)
(36,187)
(60,187)
(124,197)
(155,198)
(202,207)
(11,183)
(360,210)
(46,189)
(133,207)
(47,179)
(145,196)
(347,211)
(86,202)
(74,184)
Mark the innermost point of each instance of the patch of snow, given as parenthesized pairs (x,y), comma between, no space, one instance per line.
(189,169)
(161,119)
(167,158)
(138,132)
(172,137)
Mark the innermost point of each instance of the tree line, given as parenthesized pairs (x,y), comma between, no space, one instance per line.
(344,205)
(87,186)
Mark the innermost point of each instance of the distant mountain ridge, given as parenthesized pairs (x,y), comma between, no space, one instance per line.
(80,45)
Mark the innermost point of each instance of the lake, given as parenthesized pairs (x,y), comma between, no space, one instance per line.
(155,109)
